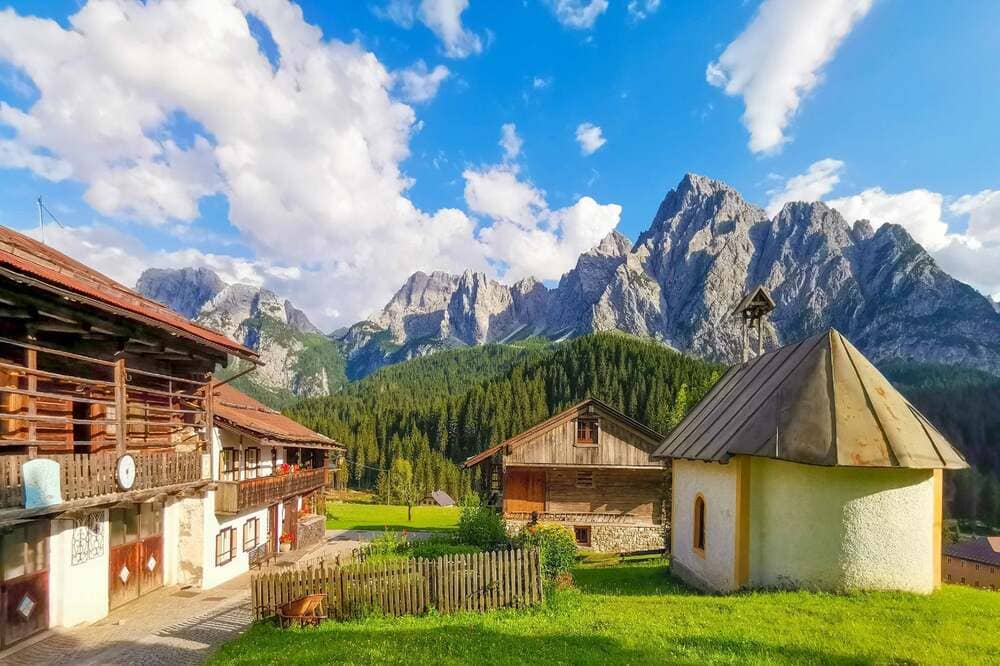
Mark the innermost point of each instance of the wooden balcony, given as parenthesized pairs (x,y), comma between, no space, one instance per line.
(88,475)
(232,497)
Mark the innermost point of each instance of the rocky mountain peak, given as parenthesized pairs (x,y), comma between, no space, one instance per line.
(184,290)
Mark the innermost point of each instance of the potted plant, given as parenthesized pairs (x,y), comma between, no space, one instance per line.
(286,542)
(284,468)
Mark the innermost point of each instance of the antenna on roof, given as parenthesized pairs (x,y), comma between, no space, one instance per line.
(41,218)
(754,307)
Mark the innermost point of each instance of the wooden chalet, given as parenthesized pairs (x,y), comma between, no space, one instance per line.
(105,413)
(588,467)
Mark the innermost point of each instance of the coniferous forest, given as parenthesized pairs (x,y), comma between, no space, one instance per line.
(438,410)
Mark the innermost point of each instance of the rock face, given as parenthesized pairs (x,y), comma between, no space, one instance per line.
(183,290)
(704,250)
(297,359)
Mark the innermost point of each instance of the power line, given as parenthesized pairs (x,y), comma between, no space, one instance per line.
(42,209)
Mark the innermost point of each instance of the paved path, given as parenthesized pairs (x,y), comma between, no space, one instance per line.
(172,626)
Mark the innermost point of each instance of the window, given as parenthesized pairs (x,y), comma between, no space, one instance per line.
(124,525)
(228,465)
(251,458)
(251,534)
(699,525)
(25,550)
(582,534)
(586,432)
(584,479)
(274,460)
(225,546)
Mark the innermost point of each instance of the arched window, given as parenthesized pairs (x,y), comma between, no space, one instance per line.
(699,524)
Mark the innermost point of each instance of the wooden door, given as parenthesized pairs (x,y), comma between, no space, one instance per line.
(125,558)
(151,542)
(524,491)
(273,532)
(291,521)
(24,591)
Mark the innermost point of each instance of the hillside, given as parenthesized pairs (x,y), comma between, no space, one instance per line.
(437,411)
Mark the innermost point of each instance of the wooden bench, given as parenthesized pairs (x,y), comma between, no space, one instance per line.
(307,610)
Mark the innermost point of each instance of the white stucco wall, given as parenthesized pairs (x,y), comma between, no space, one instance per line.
(214,575)
(717,484)
(77,593)
(841,528)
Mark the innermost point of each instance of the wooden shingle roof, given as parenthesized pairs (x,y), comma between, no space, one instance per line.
(818,402)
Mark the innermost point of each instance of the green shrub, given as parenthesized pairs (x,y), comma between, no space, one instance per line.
(556,547)
(432,549)
(482,527)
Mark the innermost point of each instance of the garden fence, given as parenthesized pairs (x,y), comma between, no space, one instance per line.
(469,582)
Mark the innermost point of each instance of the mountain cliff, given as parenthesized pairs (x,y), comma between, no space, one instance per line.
(705,248)
(298,360)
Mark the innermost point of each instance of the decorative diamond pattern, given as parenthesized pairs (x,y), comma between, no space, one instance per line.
(151,563)
(26,606)
(124,574)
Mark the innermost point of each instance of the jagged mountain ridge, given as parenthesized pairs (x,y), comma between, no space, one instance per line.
(704,250)
(298,360)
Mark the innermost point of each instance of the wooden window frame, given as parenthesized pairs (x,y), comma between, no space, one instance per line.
(251,524)
(699,537)
(232,472)
(582,530)
(250,469)
(225,557)
(588,431)
(584,479)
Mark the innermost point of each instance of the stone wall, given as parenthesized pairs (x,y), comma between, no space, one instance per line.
(611,537)
(310,531)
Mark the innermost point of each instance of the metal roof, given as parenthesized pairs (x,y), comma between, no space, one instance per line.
(984,549)
(51,269)
(818,402)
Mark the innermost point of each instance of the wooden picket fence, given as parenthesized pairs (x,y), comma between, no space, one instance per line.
(471,582)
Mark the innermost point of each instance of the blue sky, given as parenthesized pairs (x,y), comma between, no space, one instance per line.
(333,200)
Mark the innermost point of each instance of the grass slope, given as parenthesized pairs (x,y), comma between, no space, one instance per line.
(637,614)
(344,516)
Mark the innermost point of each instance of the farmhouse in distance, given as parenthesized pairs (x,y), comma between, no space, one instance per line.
(589,468)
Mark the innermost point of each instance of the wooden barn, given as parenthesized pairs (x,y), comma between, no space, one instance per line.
(588,467)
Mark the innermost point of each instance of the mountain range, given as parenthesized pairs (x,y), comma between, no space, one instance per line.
(705,249)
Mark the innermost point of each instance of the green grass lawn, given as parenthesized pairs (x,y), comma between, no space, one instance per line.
(637,614)
(346,516)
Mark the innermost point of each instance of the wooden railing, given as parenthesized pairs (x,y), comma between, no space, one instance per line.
(232,497)
(81,400)
(472,582)
(92,475)
(584,518)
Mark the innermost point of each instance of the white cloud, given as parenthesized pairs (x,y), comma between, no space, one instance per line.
(510,141)
(918,211)
(818,181)
(578,14)
(419,84)
(442,17)
(541,82)
(778,59)
(983,210)
(590,137)
(639,10)
(526,236)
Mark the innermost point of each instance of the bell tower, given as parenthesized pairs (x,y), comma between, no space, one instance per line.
(753,309)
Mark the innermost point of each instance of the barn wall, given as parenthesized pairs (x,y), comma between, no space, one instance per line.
(843,528)
(637,493)
(717,483)
(557,446)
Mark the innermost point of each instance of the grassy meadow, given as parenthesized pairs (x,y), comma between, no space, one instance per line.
(636,613)
(353,516)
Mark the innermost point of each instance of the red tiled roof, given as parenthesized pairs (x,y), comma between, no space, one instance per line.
(239,411)
(28,257)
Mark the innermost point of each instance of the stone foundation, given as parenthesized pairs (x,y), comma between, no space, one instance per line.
(310,531)
(609,537)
